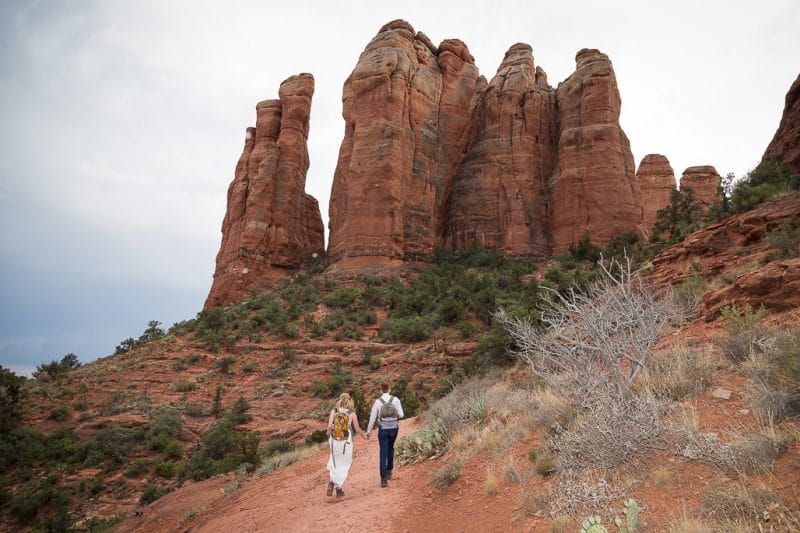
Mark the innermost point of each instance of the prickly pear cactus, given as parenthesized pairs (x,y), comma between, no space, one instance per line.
(593,524)
(631,511)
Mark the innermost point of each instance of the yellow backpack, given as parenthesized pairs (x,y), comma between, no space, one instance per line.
(341,426)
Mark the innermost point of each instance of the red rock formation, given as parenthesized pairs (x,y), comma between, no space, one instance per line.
(786,142)
(656,181)
(271,224)
(705,183)
(733,247)
(595,186)
(499,197)
(407,110)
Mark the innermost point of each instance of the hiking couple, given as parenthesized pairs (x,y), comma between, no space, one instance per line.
(343,425)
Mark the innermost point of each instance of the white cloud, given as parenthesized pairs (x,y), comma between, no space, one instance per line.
(123,121)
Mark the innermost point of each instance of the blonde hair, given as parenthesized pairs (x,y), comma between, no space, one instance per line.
(344,401)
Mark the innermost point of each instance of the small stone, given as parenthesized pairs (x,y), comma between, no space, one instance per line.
(722,394)
(744,411)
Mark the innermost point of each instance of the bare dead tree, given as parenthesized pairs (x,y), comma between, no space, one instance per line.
(598,338)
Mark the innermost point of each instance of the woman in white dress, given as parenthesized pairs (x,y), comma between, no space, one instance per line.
(342,426)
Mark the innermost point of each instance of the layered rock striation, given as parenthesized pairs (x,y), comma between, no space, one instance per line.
(595,188)
(786,142)
(406,108)
(433,155)
(704,181)
(271,224)
(657,182)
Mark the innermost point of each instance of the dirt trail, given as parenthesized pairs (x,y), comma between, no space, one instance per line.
(293,499)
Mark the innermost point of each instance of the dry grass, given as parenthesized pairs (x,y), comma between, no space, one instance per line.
(546,464)
(686,523)
(562,524)
(681,371)
(662,477)
(550,410)
(737,503)
(511,473)
(532,502)
(757,452)
(447,475)
(490,486)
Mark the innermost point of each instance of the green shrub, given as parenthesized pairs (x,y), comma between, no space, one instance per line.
(769,179)
(60,413)
(279,445)
(165,469)
(185,386)
(151,493)
(137,468)
(195,410)
(786,238)
(55,368)
(690,292)
(250,367)
(224,364)
(412,329)
(744,334)
(318,435)
(682,216)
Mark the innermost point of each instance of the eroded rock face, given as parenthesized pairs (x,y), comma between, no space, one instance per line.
(705,183)
(595,186)
(656,181)
(733,248)
(271,224)
(499,197)
(407,108)
(786,142)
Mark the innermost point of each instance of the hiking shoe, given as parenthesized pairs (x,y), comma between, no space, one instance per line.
(384,483)
(339,493)
(329,492)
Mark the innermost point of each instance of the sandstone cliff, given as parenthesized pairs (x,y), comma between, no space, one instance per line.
(499,194)
(704,181)
(271,224)
(406,108)
(435,156)
(656,181)
(786,142)
(595,188)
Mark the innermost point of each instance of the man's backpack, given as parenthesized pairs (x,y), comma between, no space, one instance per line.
(387,414)
(341,426)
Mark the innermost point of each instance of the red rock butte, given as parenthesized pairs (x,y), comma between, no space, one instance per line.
(271,224)
(704,181)
(657,181)
(435,156)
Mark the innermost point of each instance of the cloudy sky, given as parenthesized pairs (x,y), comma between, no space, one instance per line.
(121,123)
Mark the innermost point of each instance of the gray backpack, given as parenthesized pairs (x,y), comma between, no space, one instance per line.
(387,414)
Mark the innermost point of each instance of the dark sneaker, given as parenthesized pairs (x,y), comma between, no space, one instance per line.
(384,483)
(329,492)
(339,493)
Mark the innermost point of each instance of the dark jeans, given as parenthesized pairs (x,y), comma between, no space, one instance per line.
(386,438)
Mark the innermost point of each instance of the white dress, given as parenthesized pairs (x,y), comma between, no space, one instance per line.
(339,459)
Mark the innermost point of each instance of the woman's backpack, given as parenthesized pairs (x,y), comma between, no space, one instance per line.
(341,426)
